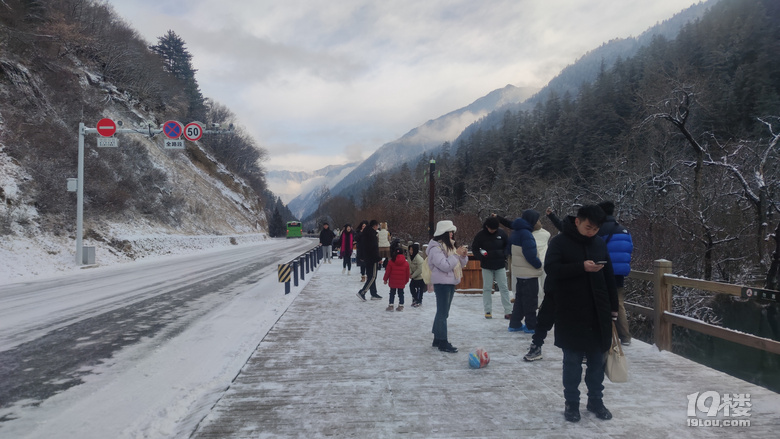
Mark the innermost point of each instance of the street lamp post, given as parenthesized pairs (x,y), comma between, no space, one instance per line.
(431,190)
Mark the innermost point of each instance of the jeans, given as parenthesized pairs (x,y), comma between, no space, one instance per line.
(444,295)
(499,276)
(327,252)
(526,302)
(572,374)
(400,292)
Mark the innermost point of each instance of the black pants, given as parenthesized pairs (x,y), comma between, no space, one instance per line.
(417,288)
(544,320)
(572,374)
(526,302)
(347,261)
(370,284)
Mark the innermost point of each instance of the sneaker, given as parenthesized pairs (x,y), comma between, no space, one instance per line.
(511,329)
(534,353)
(597,406)
(507,316)
(362,278)
(416,305)
(446,346)
(488,315)
(400,308)
(348,272)
(361,295)
(343,270)
(626,342)
(389,307)
(572,411)
(528,331)
(377,297)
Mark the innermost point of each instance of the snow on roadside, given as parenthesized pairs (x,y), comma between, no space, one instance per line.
(24,258)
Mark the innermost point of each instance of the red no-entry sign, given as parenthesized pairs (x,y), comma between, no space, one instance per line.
(106,127)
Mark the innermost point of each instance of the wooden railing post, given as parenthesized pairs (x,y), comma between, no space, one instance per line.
(662,292)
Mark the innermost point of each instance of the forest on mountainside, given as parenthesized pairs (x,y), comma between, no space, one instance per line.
(63,62)
(682,137)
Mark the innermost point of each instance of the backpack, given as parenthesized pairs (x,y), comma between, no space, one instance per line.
(426,272)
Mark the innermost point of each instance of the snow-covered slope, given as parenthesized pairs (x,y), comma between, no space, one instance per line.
(299,189)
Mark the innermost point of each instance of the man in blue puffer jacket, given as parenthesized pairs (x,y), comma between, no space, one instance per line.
(620,246)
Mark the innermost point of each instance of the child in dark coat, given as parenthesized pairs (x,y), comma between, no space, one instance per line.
(396,275)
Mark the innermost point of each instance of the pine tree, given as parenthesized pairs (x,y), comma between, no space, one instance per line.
(277,226)
(178,62)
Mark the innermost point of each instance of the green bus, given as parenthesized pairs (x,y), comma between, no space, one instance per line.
(294,229)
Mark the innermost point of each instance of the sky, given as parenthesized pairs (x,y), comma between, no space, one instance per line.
(318,83)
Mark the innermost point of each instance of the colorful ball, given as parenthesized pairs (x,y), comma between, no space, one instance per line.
(483,356)
(474,362)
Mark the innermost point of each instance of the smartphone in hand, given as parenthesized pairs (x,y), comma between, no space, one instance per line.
(601,262)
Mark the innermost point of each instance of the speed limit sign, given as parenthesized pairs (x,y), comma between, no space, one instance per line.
(193,131)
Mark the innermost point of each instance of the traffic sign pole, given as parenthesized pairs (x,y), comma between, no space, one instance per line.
(80,199)
(106,128)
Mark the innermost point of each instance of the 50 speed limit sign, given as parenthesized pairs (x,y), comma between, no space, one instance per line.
(193,131)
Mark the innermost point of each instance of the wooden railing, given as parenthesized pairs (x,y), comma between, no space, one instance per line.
(663,280)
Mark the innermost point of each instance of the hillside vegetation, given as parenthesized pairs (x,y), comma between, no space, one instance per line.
(65,62)
(683,137)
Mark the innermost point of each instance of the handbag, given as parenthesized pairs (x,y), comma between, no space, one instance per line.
(616,367)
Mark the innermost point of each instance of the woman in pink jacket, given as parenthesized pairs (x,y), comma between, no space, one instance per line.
(446,263)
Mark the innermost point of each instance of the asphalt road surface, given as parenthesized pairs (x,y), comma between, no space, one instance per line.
(52,332)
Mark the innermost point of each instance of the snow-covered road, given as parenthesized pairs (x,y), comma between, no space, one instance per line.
(136,350)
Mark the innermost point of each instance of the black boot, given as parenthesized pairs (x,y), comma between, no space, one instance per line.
(445,346)
(436,343)
(597,406)
(572,411)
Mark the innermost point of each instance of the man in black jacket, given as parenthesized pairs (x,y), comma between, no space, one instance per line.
(581,279)
(326,241)
(369,244)
(490,249)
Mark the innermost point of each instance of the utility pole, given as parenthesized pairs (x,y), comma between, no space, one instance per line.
(431,191)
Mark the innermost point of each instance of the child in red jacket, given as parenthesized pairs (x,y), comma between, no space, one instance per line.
(397,273)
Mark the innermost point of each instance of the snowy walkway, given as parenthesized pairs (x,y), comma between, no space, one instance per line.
(334,366)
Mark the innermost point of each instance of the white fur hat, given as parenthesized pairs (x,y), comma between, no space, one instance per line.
(443,227)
